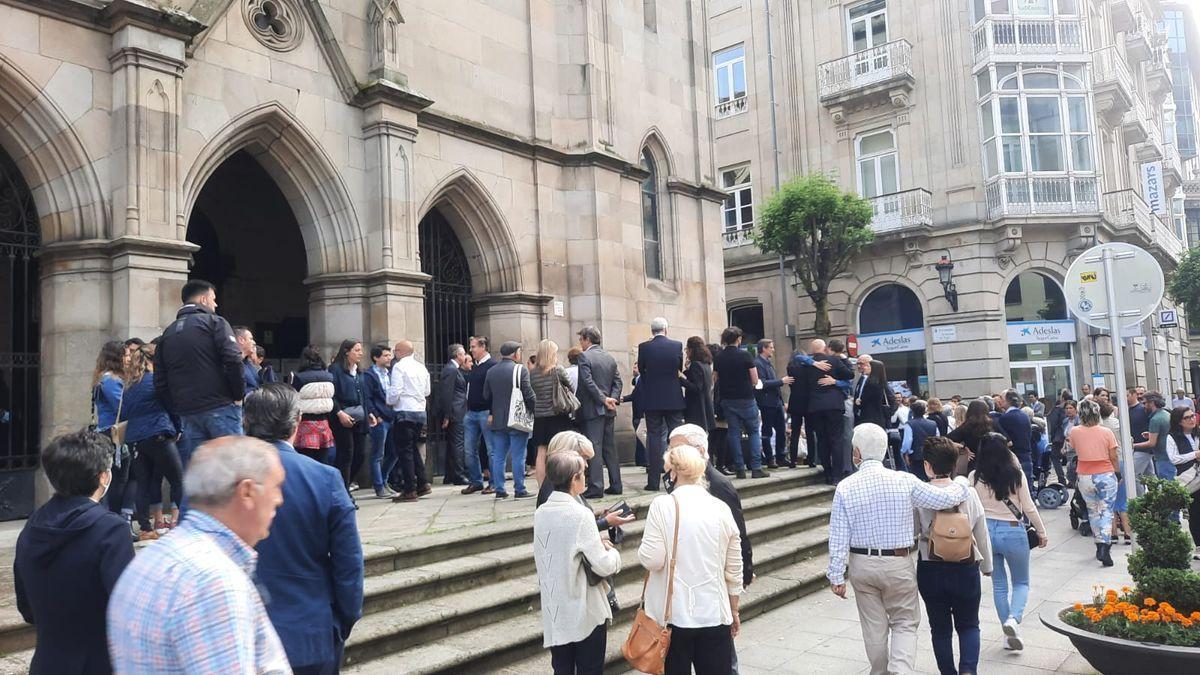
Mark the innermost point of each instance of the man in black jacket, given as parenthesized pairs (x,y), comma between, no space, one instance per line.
(198,370)
(475,421)
(449,408)
(660,363)
(770,405)
(827,409)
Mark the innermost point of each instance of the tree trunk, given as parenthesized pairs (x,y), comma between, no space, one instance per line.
(821,325)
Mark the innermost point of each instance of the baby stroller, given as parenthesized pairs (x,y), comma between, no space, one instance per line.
(1049,495)
(1079,510)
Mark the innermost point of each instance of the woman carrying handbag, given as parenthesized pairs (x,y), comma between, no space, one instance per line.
(697,624)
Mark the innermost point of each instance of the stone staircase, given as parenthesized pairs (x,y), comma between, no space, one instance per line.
(466,600)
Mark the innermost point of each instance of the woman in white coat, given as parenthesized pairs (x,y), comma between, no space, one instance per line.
(707,569)
(575,613)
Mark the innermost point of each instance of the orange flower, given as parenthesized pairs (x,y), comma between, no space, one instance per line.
(1186,623)
(1131,616)
(1110,595)
(1194,616)
(1150,602)
(1079,607)
(1124,589)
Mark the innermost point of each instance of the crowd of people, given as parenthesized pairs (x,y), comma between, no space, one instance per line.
(246,452)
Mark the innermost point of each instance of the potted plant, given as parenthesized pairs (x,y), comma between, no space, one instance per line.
(1156,624)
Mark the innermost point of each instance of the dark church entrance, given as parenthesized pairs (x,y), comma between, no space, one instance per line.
(252,250)
(20,394)
(448,316)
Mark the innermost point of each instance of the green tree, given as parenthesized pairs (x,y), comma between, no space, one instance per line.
(1184,284)
(822,228)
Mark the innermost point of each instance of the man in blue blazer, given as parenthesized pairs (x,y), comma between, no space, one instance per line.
(311,566)
(660,362)
(770,404)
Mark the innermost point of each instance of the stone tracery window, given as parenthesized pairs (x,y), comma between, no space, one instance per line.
(275,23)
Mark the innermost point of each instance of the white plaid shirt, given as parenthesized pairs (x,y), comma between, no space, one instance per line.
(874,509)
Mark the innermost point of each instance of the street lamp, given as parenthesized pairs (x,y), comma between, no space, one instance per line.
(945,270)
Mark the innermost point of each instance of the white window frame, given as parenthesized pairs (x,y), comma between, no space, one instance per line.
(887,26)
(741,195)
(727,70)
(876,158)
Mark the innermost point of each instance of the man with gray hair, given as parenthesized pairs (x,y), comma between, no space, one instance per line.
(660,394)
(872,525)
(599,392)
(217,623)
(449,409)
(312,564)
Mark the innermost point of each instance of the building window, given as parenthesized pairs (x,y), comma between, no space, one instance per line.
(984,8)
(739,201)
(878,172)
(868,25)
(1035,118)
(650,15)
(750,319)
(651,232)
(729,73)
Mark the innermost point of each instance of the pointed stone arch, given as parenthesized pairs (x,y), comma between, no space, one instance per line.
(333,236)
(62,178)
(654,142)
(481,229)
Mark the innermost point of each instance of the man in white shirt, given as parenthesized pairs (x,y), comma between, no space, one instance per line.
(1182,400)
(871,529)
(406,394)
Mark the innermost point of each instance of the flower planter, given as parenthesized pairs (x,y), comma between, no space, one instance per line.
(1114,656)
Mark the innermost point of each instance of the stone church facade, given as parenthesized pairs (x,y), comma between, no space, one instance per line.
(557,154)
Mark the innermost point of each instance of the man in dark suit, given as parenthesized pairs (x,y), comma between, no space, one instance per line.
(770,404)
(599,392)
(449,408)
(660,362)
(312,564)
(827,409)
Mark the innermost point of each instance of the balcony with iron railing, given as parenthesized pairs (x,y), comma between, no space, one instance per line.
(1141,40)
(1024,37)
(1158,73)
(1172,167)
(1136,125)
(1035,195)
(737,236)
(1125,210)
(883,72)
(1113,88)
(1166,237)
(731,107)
(901,211)
(1152,149)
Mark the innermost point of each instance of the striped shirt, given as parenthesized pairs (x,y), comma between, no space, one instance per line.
(188,604)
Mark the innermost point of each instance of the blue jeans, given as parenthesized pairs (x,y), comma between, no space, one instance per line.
(204,426)
(951,593)
(1163,468)
(1010,547)
(475,426)
(381,461)
(508,444)
(743,412)
(1026,460)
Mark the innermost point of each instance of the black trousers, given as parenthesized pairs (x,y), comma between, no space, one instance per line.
(709,650)
(829,427)
(409,466)
(774,428)
(456,467)
(585,657)
(351,449)
(156,457)
(810,439)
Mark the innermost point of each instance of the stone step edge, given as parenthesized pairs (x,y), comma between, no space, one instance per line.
(523,633)
(522,592)
(412,578)
(444,543)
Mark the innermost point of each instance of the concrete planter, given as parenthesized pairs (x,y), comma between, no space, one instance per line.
(1115,656)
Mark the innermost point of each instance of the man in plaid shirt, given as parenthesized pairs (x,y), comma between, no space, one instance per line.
(188,603)
(871,530)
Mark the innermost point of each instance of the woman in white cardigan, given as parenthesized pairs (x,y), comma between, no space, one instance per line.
(575,614)
(707,578)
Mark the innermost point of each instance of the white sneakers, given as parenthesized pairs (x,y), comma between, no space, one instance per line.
(1012,635)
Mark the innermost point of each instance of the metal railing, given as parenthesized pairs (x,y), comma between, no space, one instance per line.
(1108,65)
(1020,37)
(737,237)
(731,107)
(863,69)
(902,210)
(1041,195)
(1127,209)
(1165,236)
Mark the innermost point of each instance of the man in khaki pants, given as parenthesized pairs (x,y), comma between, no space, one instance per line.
(871,527)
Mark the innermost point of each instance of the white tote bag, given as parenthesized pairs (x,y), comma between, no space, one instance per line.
(520,418)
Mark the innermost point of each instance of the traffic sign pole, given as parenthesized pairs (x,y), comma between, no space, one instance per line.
(1114,332)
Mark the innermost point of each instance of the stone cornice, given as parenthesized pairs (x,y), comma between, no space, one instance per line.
(348,279)
(708,192)
(386,91)
(132,56)
(116,14)
(511,298)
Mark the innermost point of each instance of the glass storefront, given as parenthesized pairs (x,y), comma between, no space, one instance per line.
(1041,336)
(892,330)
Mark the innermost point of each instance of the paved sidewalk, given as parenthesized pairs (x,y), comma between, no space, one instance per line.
(821,633)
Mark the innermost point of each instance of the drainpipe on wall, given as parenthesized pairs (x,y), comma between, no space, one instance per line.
(788,329)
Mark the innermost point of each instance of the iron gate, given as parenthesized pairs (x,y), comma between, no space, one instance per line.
(19,334)
(448,316)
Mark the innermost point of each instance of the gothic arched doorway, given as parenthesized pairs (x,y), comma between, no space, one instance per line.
(448,315)
(251,249)
(20,394)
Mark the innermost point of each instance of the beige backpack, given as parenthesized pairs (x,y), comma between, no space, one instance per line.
(950,538)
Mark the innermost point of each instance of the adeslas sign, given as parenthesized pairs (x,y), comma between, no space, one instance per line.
(1040,332)
(892,341)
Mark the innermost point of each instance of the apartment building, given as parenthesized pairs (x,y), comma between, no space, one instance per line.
(995,140)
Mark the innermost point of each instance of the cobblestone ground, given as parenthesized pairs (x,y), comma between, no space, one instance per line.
(821,633)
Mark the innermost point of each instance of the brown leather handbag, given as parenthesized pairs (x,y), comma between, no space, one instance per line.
(646,647)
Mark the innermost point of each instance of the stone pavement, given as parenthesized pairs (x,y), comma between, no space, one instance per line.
(821,633)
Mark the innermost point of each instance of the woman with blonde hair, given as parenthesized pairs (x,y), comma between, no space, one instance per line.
(702,567)
(545,377)
(937,414)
